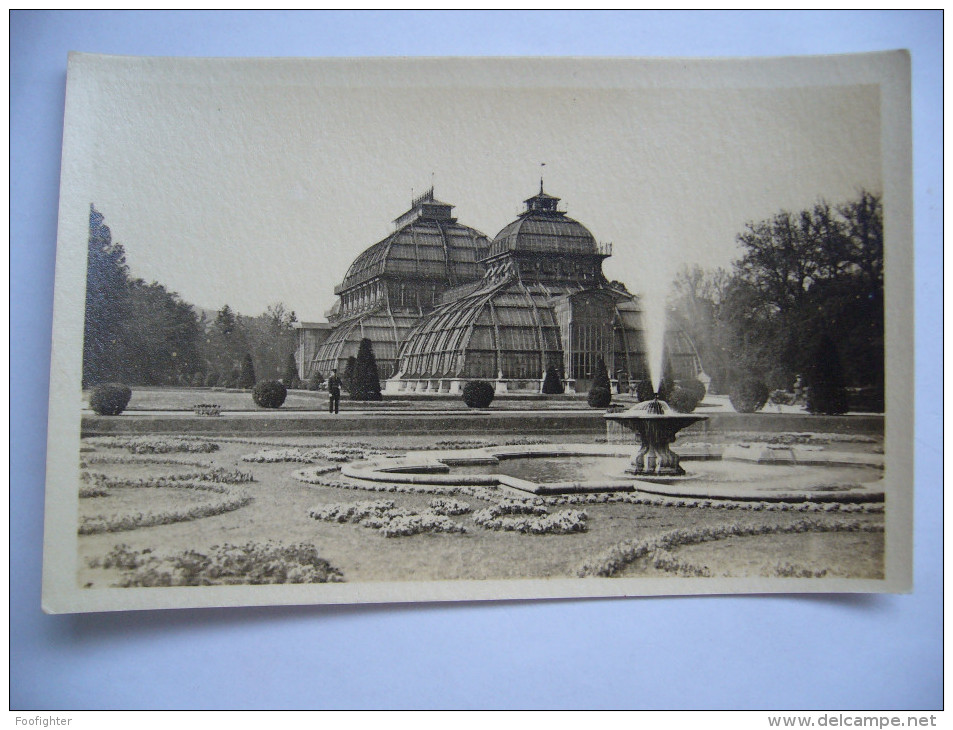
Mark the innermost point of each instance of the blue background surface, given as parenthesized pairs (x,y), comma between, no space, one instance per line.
(769,652)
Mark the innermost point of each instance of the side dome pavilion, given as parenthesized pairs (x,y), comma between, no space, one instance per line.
(393,283)
(543,302)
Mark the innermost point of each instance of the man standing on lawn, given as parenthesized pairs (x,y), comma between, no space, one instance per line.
(334,392)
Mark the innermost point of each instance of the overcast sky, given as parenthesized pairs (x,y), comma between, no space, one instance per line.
(254,184)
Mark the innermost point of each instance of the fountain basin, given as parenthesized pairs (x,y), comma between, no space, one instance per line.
(821,477)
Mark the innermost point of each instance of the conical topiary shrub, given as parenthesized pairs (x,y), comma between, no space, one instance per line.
(246,378)
(291,378)
(552,383)
(365,383)
(600,392)
(826,389)
(347,377)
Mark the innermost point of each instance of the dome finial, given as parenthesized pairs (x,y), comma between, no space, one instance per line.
(541,166)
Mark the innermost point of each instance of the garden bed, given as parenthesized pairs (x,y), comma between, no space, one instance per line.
(278,515)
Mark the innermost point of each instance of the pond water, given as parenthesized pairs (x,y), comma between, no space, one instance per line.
(766,477)
(547,469)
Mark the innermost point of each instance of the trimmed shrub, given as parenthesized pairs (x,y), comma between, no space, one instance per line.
(110,399)
(291,378)
(552,383)
(748,395)
(478,394)
(600,392)
(693,386)
(246,378)
(826,389)
(211,380)
(347,377)
(682,400)
(644,390)
(316,380)
(197,380)
(366,383)
(600,379)
(599,397)
(665,389)
(270,393)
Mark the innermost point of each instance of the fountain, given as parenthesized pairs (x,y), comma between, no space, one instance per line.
(735,473)
(657,425)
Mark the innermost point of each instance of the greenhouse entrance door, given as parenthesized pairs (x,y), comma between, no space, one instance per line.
(591,336)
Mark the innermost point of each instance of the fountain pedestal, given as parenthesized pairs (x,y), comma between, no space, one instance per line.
(657,425)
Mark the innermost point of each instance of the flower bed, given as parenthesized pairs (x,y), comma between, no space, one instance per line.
(414,524)
(275,456)
(155,444)
(215,476)
(139,459)
(617,558)
(383,516)
(207,409)
(351,511)
(251,563)
(448,507)
(761,506)
(86,492)
(793,437)
(530,517)
(317,477)
(462,444)
(787,570)
(216,481)
(121,522)
(337,454)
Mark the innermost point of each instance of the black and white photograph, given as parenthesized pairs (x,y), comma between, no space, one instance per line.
(399,330)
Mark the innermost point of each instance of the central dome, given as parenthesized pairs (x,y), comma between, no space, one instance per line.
(542,228)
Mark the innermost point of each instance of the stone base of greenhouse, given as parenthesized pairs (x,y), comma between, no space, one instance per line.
(454,386)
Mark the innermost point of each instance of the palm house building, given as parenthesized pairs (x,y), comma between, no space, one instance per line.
(542,302)
(391,285)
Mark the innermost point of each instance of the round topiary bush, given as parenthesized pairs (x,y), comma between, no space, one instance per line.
(270,393)
(695,387)
(599,397)
(110,399)
(748,395)
(211,380)
(478,394)
(682,399)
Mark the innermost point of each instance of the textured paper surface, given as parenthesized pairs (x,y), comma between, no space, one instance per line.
(185,119)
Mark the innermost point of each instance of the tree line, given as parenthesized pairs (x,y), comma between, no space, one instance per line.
(143,334)
(805,297)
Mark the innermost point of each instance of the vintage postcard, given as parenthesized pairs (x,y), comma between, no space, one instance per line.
(380,330)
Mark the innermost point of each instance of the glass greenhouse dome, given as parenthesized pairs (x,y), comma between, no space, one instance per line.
(543,303)
(393,283)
